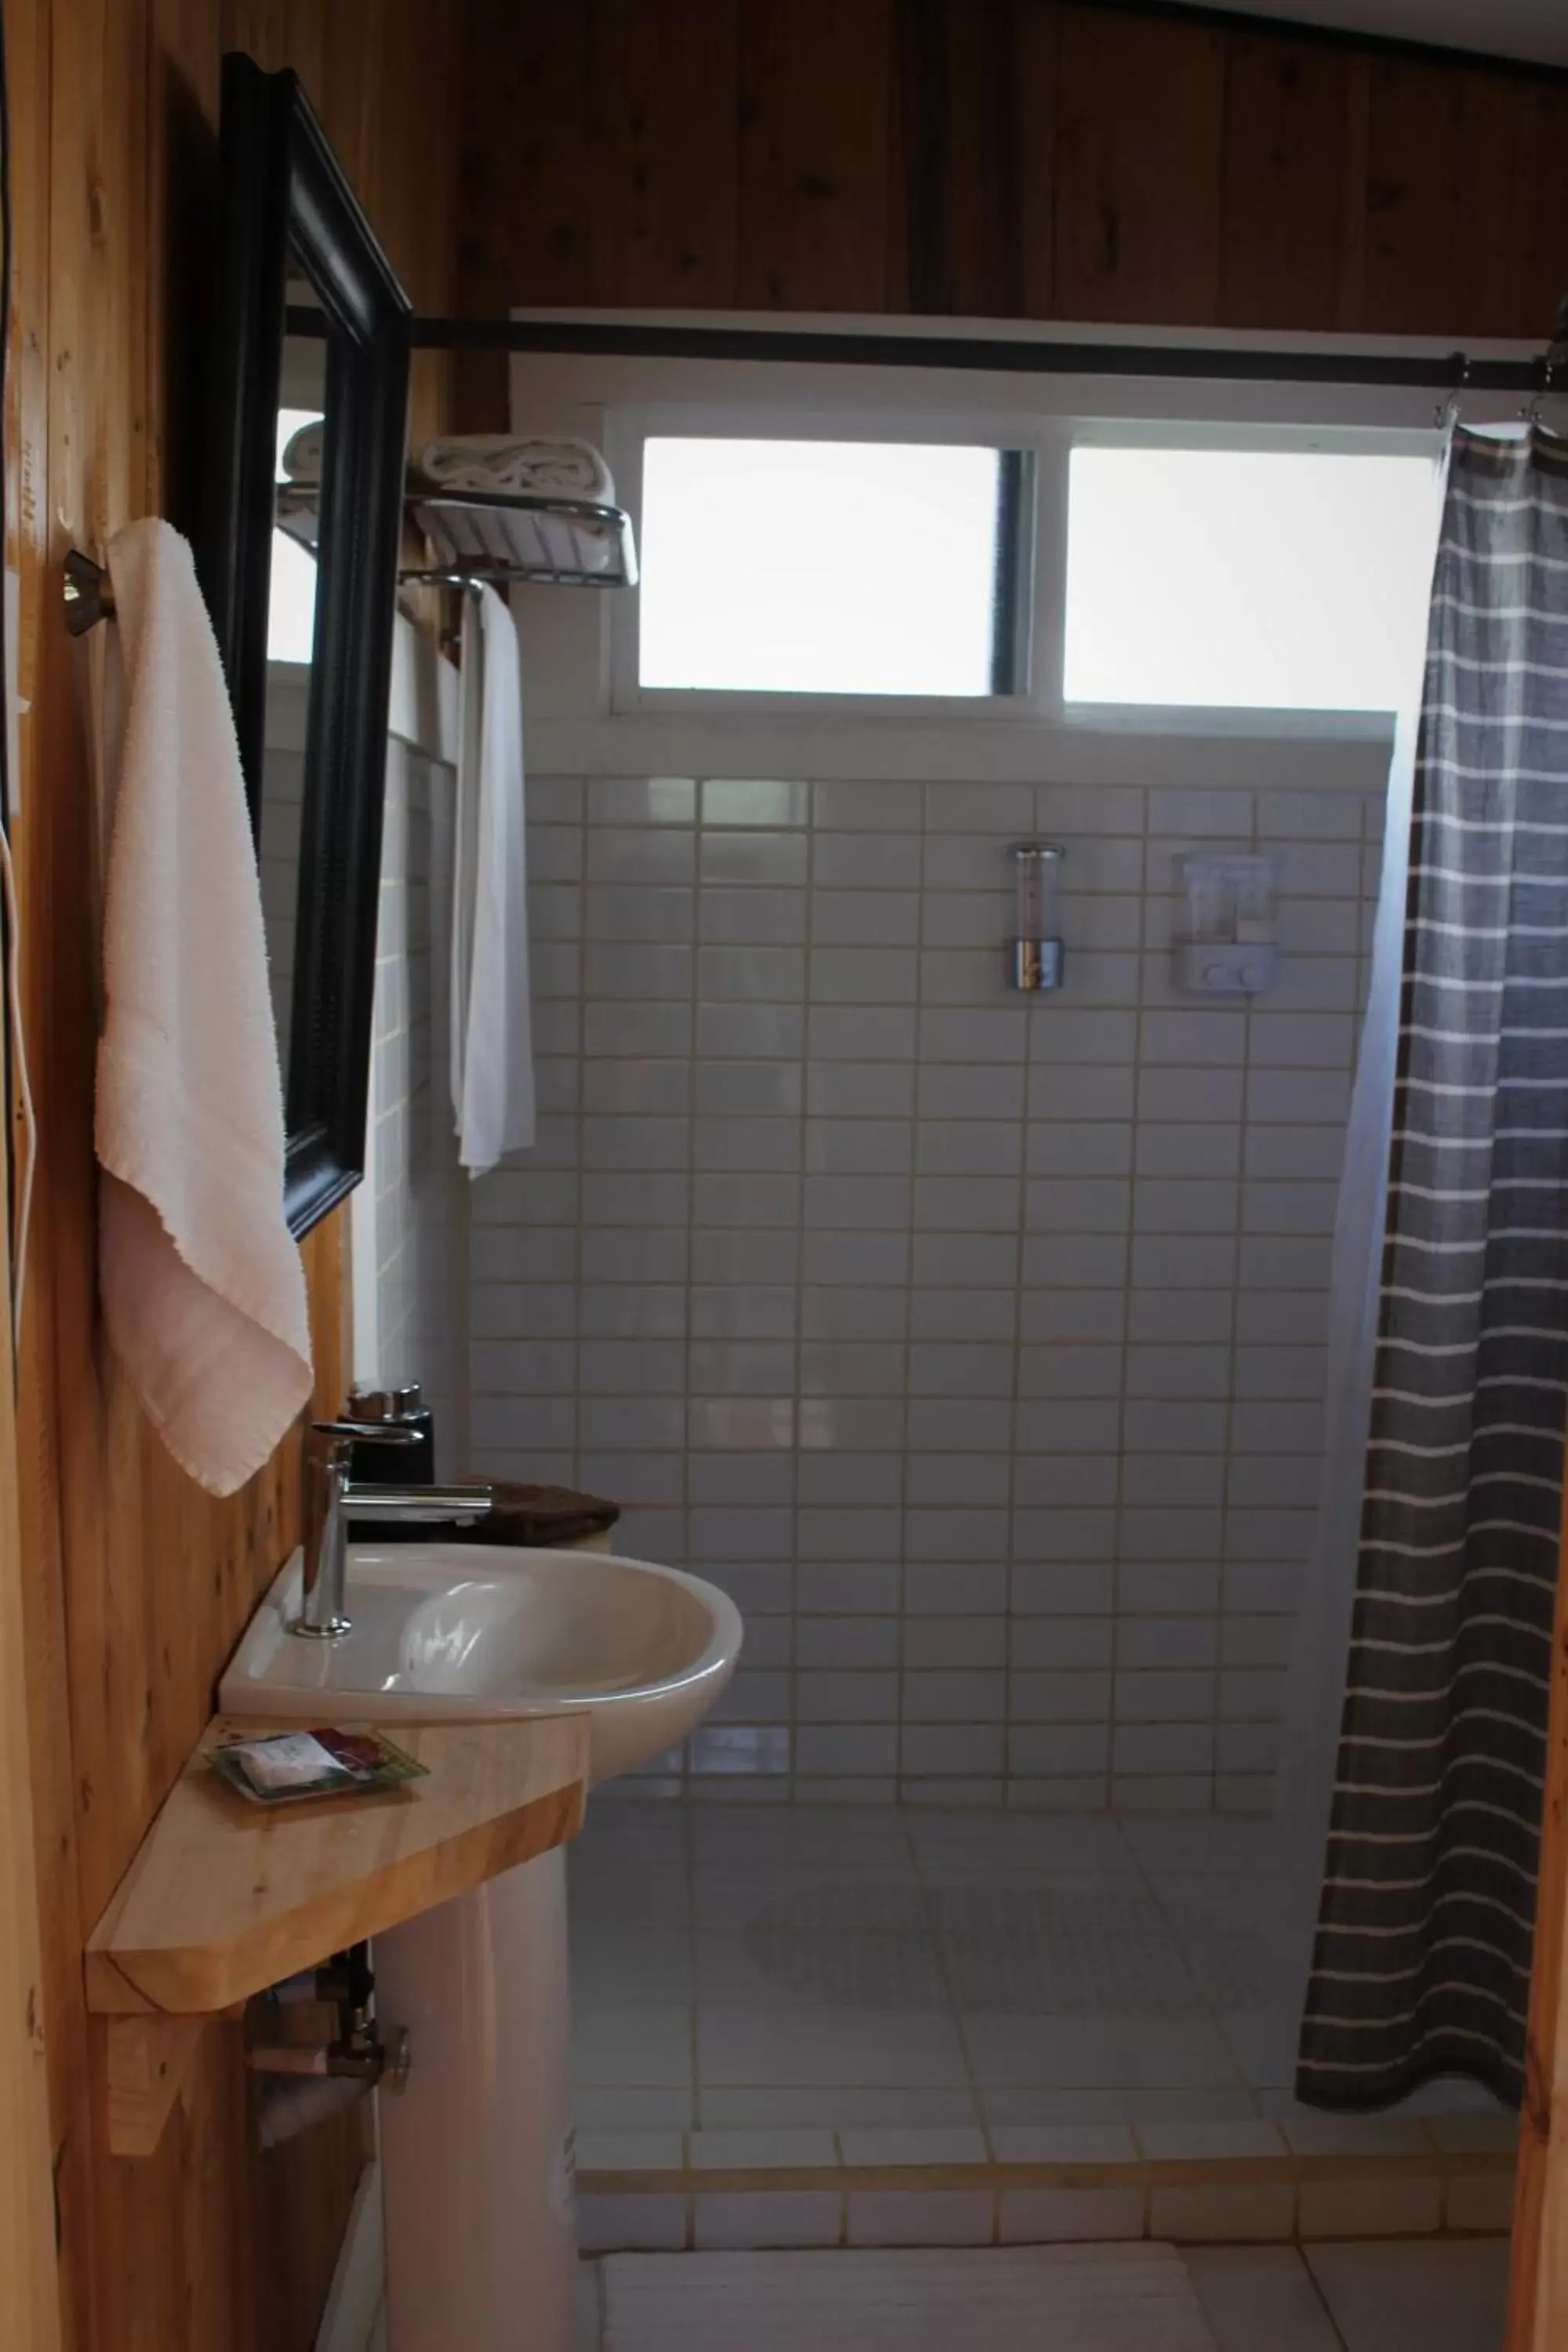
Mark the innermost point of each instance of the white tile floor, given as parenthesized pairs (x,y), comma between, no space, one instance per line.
(886,1970)
(1371,2297)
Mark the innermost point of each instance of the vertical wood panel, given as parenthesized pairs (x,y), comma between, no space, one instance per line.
(29,393)
(663,141)
(1486,267)
(1350,305)
(1036,158)
(1452,197)
(1541,220)
(523,177)
(1036,39)
(1141,165)
(817,93)
(135,1583)
(1412,159)
(1287,123)
(958,152)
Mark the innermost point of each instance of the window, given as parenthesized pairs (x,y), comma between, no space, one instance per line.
(1247,579)
(291,607)
(833,567)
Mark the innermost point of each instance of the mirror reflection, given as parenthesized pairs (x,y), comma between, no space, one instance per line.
(290,649)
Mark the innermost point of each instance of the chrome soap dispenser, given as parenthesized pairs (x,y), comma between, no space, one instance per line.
(1035,958)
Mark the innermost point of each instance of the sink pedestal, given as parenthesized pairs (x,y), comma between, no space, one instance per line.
(476,2153)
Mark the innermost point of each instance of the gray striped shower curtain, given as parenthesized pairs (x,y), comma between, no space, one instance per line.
(1421,1964)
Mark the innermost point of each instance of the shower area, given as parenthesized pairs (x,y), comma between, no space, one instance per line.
(977,1348)
(995,1351)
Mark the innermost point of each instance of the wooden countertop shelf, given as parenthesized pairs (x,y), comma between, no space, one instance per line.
(225,1897)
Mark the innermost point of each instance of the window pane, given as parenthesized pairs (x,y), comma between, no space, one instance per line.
(291,601)
(1248,579)
(818,567)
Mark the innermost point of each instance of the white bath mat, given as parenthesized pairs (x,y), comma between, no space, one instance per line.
(1109,2298)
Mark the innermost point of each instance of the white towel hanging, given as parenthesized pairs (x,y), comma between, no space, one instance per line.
(492,1040)
(204,1293)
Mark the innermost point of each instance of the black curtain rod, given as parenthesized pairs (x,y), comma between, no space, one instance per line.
(1439,371)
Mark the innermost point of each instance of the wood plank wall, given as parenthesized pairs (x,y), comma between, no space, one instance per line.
(1037,159)
(135,1584)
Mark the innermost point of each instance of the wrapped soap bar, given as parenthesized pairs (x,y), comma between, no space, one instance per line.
(286,1764)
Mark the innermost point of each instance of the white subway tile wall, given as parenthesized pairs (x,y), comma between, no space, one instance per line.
(973,1343)
(412,1193)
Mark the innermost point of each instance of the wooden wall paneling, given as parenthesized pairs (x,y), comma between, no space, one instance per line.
(959,153)
(1036,41)
(816,102)
(1413,161)
(1540,223)
(135,1583)
(182,157)
(33,388)
(1447,145)
(353,41)
(1354,216)
(1487,265)
(1041,158)
(1139,169)
(663,154)
(292,2212)
(522,187)
(27,2263)
(1287,126)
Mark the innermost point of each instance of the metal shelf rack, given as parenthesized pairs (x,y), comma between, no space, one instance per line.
(552,542)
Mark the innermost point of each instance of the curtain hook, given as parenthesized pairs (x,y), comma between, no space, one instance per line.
(1445,415)
(1552,361)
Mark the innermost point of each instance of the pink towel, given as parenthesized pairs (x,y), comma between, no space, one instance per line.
(204,1293)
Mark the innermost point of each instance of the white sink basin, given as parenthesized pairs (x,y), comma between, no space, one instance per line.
(487,1632)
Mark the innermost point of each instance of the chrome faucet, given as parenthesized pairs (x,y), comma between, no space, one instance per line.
(331,1500)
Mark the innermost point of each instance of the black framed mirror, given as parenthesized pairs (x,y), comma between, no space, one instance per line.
(299,550)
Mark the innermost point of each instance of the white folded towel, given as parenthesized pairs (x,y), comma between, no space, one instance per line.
(517,464)
(303,450)
(492,1031)
(204,1293)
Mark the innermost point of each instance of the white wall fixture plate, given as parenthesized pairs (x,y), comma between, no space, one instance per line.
(1228,945)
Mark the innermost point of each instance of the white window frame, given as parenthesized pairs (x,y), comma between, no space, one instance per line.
(1269,721)
(589,710)
(629,429)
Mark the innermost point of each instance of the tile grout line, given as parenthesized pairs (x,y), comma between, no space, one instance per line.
(1325,2304)
(693,1064)
(972,2078)
(797,1304)
(1222,1564)
(1224,1788)
(1152,1885)
(689,1857)
(1128,1293)
(1009,1619)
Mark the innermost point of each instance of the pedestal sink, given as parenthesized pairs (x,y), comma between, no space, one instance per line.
(477,2155)
(484,1630)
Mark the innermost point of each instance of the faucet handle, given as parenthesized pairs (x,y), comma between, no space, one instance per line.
(332,1441)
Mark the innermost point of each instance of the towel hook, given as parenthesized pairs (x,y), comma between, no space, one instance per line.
(87,593)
